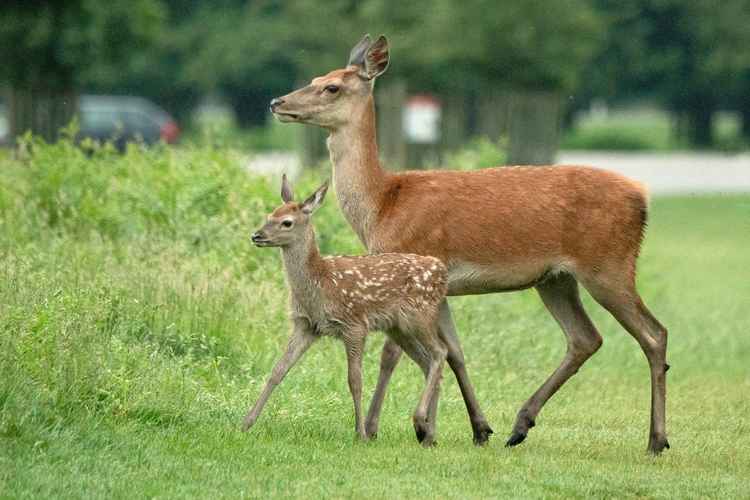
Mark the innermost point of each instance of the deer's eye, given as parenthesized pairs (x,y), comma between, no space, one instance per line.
(287,223)
(331,89)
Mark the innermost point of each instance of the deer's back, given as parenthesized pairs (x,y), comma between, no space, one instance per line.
(504,228)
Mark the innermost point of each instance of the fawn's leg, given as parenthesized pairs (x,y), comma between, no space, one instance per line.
(301,339)
(388,361)
(425,428)
(354,341)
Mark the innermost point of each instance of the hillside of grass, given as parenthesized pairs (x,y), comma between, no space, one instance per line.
(138,324)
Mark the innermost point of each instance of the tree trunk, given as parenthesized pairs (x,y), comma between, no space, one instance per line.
(701,122)
(42,112)
(493,113)
(745,121)
(311,141)
(454,122)
(534,128)
(390,99)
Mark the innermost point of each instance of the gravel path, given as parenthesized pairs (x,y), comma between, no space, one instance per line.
(672,173)
(663,173)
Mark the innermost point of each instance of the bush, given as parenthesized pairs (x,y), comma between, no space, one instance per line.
(615,137)
(128,279)
(477,153)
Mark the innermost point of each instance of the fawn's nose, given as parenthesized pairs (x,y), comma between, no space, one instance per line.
(276,101)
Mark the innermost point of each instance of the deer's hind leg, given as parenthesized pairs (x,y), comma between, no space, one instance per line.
(560,296)
(616,292)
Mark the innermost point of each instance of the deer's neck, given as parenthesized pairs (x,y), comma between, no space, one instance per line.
(357,175)
(304,268)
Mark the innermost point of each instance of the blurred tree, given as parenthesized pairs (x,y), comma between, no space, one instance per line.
(532,50)
(156,69)
(49,48)
(689,55)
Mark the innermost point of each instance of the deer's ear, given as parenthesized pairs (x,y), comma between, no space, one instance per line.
(376,59)
(312,203)
(286,190)
(357,55)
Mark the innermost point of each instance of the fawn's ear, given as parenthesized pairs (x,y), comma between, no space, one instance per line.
(376,59)
(286,190)
(357,55)
(312,203)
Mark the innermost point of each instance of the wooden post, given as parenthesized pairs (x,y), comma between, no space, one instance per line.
(534,128)
(43,112)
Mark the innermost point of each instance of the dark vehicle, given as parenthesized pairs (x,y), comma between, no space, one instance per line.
(124,119)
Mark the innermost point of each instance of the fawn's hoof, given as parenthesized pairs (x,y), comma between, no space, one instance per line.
(482,433)
(246,424)
(371,429)
(423,431)
(429,442)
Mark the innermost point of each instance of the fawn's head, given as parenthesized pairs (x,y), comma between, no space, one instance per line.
(332,99)
(289,223)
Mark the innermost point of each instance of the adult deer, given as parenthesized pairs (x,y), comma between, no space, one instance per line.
(497,229)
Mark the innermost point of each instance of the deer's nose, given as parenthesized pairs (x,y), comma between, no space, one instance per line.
(276,101)
(257,236)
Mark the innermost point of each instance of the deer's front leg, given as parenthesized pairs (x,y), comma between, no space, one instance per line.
(302,338)
(355,342)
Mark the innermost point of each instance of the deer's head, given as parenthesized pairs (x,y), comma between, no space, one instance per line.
(332,99)
(289,223)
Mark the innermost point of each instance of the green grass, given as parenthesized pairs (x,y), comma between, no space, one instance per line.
(138,325)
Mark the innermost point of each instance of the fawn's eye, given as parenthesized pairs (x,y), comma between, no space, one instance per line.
(332,89)
(287,223)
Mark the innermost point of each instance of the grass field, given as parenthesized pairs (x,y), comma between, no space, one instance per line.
(137,324)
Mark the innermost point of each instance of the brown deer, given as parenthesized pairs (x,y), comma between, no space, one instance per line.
(497,230)
(346,297)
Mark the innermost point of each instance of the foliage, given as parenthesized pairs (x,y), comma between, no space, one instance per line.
(478,153)
(530,45)
(52,44)
(690,55)
(619,137)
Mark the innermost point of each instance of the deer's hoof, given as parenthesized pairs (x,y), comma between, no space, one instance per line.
(482,433)
(657,444)
(515,439)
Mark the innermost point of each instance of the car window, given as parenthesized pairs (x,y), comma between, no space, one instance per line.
(96,119)
(138,122)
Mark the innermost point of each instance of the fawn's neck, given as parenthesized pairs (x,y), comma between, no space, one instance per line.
(357,175)
(304,267)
